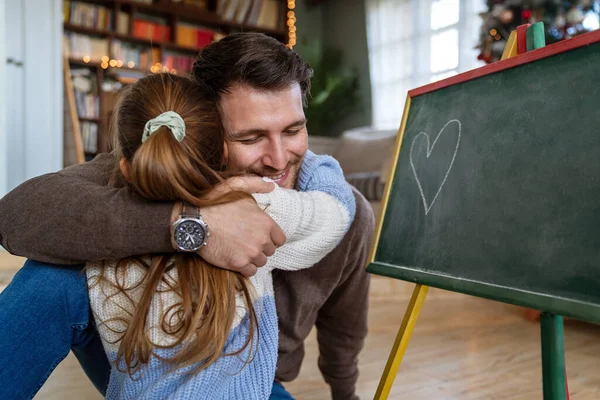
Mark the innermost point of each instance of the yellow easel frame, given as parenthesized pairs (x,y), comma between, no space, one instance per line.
(420,291)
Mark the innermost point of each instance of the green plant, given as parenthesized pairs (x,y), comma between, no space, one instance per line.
(335,90)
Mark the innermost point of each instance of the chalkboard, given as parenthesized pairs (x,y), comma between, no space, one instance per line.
(496,190)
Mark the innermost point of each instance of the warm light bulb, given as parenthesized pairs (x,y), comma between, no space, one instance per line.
(105,59)
(86,59)
(113,63)
(130,64)
(291,24)
(104,65)
(119,63)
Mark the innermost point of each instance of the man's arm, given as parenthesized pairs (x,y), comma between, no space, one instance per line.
(73,216)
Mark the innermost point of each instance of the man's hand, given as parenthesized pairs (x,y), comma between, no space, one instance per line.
(242,235)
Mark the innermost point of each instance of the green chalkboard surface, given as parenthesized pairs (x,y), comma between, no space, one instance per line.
(496,191)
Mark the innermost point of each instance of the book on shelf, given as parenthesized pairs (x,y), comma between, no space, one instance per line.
(79,46)
(89,136)
(87,15)
(122,23)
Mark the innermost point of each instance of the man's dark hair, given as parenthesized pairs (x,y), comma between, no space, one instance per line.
(252,59)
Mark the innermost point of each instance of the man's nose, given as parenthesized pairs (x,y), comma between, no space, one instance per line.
(276,156)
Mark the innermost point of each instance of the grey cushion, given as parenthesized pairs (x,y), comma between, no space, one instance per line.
(368,184)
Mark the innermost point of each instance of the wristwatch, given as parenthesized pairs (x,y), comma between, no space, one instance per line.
(190,231)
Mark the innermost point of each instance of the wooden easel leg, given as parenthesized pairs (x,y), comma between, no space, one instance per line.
(553,357)
(401,343)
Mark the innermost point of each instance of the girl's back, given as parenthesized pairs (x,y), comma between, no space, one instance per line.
(174,326)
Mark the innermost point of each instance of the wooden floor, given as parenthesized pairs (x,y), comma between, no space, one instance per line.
(462,348)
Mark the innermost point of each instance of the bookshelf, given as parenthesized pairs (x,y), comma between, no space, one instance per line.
(111,43)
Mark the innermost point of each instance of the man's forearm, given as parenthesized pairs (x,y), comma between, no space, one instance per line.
(73,216)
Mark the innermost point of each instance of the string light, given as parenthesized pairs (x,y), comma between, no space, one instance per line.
(105,59)
(291,24)
(119,63)
(86,59)
(494,33)
(113,63)
(104,65)
(130,64)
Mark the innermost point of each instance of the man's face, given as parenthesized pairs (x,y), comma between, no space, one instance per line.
(267,132)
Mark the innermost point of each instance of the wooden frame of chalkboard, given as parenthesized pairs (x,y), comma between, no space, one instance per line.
(429,274)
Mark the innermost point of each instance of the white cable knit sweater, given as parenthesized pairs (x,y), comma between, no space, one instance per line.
(314,223)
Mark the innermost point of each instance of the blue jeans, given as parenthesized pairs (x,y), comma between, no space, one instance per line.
(44,314)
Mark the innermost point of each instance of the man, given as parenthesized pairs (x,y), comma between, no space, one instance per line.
(73,216)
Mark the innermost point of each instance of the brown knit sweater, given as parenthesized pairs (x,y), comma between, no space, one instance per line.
(73,216)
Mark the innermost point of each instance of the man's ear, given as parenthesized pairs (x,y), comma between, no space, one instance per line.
(125,167)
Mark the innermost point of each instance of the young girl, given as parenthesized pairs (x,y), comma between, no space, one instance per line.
(174,326)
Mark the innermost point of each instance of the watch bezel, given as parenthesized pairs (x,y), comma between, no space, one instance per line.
(186,218)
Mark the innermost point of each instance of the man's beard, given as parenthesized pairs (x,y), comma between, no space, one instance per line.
(293,167)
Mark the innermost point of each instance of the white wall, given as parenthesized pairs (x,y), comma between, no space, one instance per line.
(3,137)
(33,88)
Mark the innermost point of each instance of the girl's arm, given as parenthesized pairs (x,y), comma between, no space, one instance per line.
(314,219)
(313,222)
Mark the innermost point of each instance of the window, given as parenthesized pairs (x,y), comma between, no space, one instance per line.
(415,42)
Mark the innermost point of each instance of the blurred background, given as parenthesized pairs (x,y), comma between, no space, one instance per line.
(66,60)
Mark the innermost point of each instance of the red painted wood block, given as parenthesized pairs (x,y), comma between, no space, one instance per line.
(522,38)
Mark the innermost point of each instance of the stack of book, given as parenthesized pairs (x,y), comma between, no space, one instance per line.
(259,13)
(194,37)
(89,136)
(87,15)
(86,93)
(151,28)
(132,55)
(81,46)
(178,62)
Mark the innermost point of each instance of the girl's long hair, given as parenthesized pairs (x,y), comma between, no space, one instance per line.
(163,169)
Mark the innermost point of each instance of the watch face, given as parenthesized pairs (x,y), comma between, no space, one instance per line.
(189,235)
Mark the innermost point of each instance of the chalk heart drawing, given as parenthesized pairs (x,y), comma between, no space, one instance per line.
(430,147)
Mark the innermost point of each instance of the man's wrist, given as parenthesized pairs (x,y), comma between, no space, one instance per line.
(177,208)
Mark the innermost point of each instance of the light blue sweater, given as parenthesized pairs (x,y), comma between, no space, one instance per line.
(228,378)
